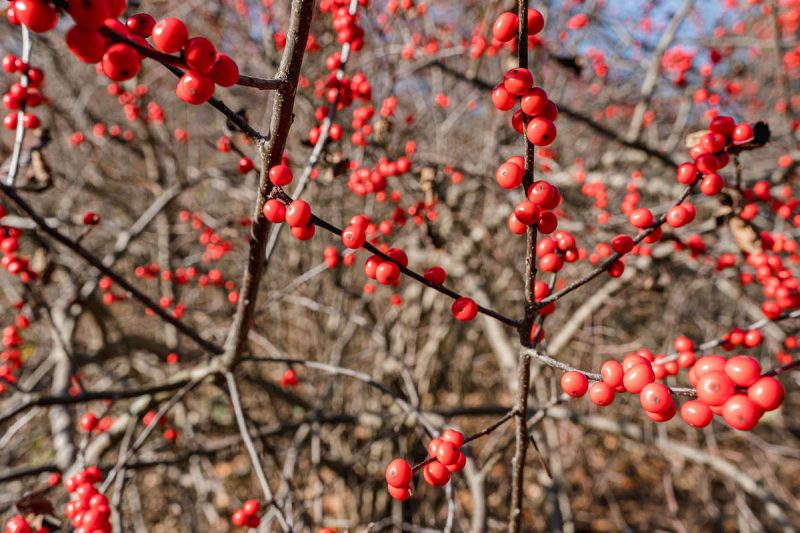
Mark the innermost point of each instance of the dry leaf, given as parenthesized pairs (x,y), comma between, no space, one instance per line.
(745,235)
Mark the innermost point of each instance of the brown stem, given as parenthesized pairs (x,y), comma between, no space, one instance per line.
(271,154)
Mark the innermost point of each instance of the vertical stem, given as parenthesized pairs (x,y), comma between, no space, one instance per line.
(271,153)
(524,364)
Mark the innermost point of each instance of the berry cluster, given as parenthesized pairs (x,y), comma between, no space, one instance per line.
(22,95)
(98,37)
(149,419)
(732,388)
(90,422)
(445,457)
(11,356)
(88,510)
(247,515)
(297,214)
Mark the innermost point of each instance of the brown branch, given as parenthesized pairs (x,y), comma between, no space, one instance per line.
(96,262)
(271,154)
(524,362)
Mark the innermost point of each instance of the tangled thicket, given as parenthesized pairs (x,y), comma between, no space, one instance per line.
(449,259)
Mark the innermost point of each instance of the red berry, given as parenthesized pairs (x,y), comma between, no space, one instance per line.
(709,363)
(655,397)
(686,173)
(304,233)
(436,275)
(170,34)
(90,218)
(612,373)
(38,15)
(280,175)
(509,175)
(711,184)
(527,212)
(665,416)
(251,507)
(199,54)
(551,263)
(141,24)
(30,121)
(516,226)
(534,102)
(505,27)
(436,474)
(298,213)
(544,195)
(502,99)
(696,413)
(622,244)
(398,473)
(707,163)
(714,388)
(601,393)
(89,421)
(574,383)
(641,218)
(722,124)
(195,88)
(239,518)
(387,273)
(454,436)
(121,62)
(245,165)
(354,237)
(740,412)
(464,309)
(447,453)
(637,377)
(225,71)
(743,370)
(535,21)
(541,131)
(678,216)
(398,256)
(400,494)
(743,134)
(712,142)
(458,466)
(518,81)
(767,393)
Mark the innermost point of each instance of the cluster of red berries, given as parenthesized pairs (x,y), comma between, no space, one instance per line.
(120,61)
(363,180)
(88,510)
(11,356)
(536,109)
(12,261)
(345,24)
(445,458)
(297,214)
(247,515)
(149,419)
(22,95)
(90,422)
(732,388)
